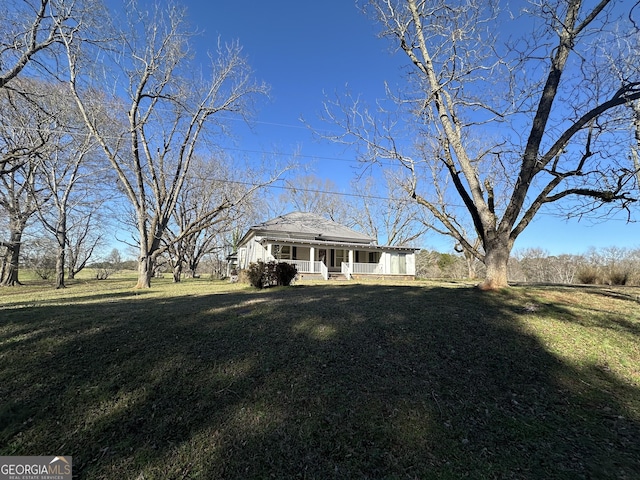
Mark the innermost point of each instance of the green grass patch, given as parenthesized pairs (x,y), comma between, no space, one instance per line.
(205,379)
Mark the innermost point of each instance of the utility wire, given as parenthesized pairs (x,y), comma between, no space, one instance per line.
(289,188)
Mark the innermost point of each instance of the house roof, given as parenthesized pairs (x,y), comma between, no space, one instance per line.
(337,244)
(302,225)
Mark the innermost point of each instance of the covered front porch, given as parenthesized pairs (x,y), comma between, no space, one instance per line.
(349,260)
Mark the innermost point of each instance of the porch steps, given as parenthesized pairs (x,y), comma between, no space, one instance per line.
(338,277)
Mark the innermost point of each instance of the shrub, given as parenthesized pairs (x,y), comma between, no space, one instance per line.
(256,274)
(270,277)
(618,278)
(41,258)
(285,273)
(261,274)
(588,276)
(44,267)
(104,270)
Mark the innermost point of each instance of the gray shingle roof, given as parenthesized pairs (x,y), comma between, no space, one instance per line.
(310,225)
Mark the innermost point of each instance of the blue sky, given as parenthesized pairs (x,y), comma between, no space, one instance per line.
(306,49)
(303,50)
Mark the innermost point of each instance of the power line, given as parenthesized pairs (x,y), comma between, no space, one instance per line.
(290,188)
(369,196)
(236,149)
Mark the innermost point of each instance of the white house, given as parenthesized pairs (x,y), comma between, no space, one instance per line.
(320,248)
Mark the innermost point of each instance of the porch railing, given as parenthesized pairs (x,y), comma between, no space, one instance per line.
(367,268)
(345,270)
(304,266)
(324,270)
(348,270)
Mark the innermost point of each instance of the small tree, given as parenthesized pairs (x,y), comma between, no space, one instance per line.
(40,256)
(84,236)
(111,264)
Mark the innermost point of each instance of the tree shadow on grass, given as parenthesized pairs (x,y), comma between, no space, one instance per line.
(350,381)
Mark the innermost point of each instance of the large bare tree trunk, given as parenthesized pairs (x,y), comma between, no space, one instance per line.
(10,278)
(61,238)
(60,260)
(496,261)
(177,272)
(145,272)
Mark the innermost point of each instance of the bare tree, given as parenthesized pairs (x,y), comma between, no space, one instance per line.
(17,199)
(388,214)
(170,112)
(309,193)
(70,174)
(64,175)
(635,149)
(540,94)
(84,235)
(25,139)
(31,28)
(217,194)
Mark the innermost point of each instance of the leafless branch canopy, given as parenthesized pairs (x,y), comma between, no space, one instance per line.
(171,114)
(504,111)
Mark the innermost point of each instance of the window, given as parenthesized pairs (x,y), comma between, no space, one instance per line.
(399,263)
(281,252)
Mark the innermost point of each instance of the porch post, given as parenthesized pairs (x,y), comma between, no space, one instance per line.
(351,260)
(312,257)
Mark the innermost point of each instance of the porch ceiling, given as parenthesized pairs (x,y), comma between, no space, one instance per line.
(330,244)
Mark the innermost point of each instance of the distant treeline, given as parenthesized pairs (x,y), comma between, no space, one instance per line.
(606,266)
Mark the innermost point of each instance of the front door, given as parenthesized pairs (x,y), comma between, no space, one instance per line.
(339,257)
(322,255)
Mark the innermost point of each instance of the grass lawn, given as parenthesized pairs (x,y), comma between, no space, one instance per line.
(322,380)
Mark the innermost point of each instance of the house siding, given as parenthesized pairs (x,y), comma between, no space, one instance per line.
(360,254)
